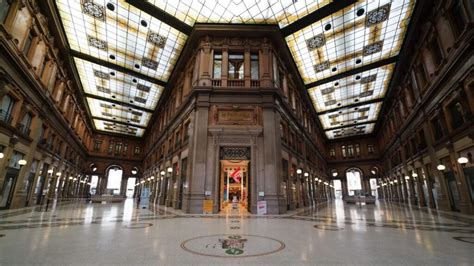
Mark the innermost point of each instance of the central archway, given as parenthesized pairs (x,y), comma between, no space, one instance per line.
(354,181)
(114,179)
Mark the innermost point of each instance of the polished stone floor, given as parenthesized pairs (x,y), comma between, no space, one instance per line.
(78,233)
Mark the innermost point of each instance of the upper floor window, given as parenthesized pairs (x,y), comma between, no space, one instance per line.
(457,18)
(254,66)
(457,115)
(437,128)
(28,42)
(26,123)
(436,53)
(236,66)
(344,152)
(111,147)
(4,8)
(6,108)
(350,150)
(97,144)
(332,153)
(125,149)
(217,66)
(118,148)
(370,148)
(357,148)
(137,150)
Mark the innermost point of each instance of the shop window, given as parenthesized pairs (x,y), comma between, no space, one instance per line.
(217,66)
(236,66)
(254,66)
(457,115)
(4,8)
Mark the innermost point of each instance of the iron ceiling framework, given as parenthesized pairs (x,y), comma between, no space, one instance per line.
(345,51)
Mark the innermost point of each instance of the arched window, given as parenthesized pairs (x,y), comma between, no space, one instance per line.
(354,182)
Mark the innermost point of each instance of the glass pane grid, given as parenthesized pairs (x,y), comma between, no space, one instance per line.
(348,132)
(346,40)
(105,82)
(121,36)
(281,12)
(118,128)
(365,86)
(350,116)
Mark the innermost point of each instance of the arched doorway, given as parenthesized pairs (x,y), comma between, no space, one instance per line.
(114,179)
(354,181)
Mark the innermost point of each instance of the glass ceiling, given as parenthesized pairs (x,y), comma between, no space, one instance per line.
(133,41)
(281,12)
(122,35)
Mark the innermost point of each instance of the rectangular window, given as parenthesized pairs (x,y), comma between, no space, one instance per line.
(118,148)
(343,149)
(6,108)
(420,76)
(217,66)
(437,128)
(111,147)
(457,115)
(332,153)
(254,66)
(236,66)
(97,144)
(25,124)
(350,150)
(4,8)
(357,148)
(370,148)
(28,42)
(137,150)
(457,19)
(436,52)
(125,149)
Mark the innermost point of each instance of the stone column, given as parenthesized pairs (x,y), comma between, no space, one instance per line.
(441,186)
(193,195)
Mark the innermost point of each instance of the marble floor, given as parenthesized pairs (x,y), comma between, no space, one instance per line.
(79,233)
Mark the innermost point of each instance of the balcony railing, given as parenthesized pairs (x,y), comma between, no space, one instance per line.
(216,83)
(5,117)
(255,83)
(236,83)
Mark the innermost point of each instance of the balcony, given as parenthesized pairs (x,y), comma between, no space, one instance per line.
(5,117)
(216,83)
(236,83)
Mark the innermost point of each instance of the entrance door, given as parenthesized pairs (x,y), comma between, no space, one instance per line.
(234,180)
(8,187)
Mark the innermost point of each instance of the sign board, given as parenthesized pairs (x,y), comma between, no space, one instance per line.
(261,193)
(261,207)
(144,198)
(207,193)
(207,206)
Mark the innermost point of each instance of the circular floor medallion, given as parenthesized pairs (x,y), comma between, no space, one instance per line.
(466,239)
(138,225)
(232,246)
